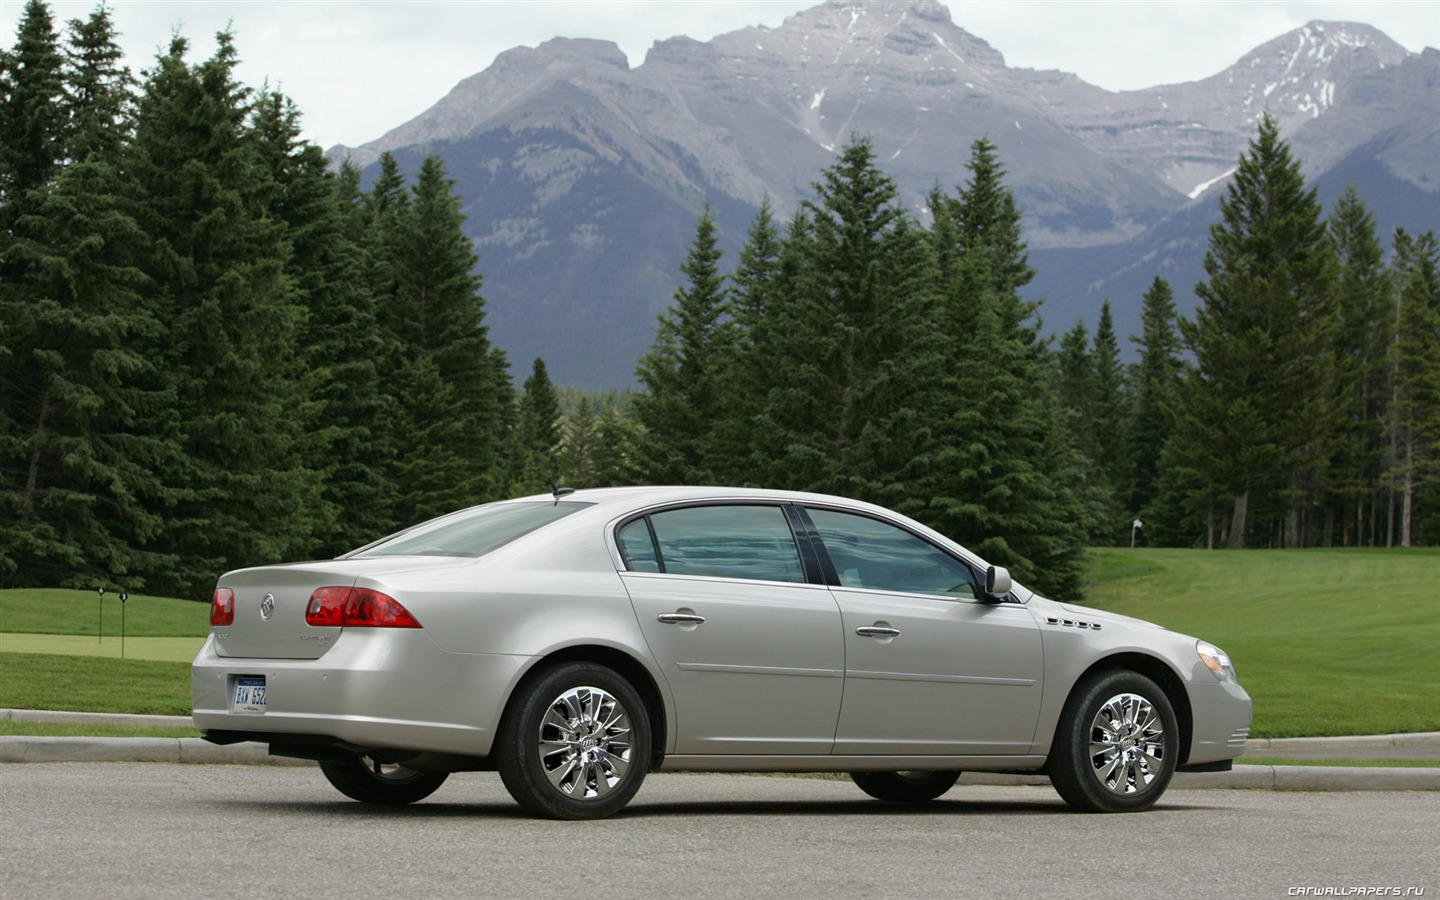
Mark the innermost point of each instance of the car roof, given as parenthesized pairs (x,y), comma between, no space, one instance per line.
(651,495)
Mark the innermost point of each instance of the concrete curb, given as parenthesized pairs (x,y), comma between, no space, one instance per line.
(1365,742)
(49,715)
(18,749)
(21,749)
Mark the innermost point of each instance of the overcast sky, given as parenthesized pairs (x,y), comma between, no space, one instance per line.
(357,68)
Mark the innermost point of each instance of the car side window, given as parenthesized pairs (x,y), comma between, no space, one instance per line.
(869,553)
(751,542)
(638,547)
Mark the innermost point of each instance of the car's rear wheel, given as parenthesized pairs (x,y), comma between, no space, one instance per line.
(370,780)
(575,743)
(1117,745)
(905,787)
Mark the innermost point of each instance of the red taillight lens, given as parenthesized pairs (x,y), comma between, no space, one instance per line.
(327,606)
(356,608)
(222,607)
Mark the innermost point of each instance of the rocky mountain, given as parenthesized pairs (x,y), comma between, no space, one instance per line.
(582,176)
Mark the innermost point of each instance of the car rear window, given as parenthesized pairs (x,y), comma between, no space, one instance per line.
(472,533)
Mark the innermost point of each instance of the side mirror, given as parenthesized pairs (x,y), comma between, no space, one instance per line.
(997,582)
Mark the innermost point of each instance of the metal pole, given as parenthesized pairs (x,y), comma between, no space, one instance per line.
(100,611)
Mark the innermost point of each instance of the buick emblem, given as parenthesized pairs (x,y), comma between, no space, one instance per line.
(267,607)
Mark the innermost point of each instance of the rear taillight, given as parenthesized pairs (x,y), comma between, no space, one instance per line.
(356,608)
(222,607)
(327,606)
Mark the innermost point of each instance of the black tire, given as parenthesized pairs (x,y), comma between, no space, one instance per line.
(905,787)
(596,734)
(1117,744)
(368,780)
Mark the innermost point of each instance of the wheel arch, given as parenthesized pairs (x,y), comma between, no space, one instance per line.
(623,664)
(1164,677)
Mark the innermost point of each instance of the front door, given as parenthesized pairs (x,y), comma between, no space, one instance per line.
(930,666)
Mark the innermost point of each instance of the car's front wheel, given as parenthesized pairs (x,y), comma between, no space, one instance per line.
(905,787)
(575,743)
(1117,744)
(369,780)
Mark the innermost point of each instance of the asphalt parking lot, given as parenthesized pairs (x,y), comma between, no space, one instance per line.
(165,830)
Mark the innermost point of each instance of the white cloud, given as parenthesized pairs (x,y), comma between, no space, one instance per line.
(357,68)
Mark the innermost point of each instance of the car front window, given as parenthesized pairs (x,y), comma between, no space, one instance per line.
(472,533)
(876,555)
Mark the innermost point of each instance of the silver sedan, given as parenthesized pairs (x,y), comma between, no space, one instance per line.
(574,642)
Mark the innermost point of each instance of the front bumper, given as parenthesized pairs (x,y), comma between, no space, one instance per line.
(1220,715)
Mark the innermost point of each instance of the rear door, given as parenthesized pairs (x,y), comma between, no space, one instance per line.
(752,652)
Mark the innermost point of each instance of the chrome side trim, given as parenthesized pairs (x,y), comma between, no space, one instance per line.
(758,763)
(759,670)
(1072,623)
(943,679)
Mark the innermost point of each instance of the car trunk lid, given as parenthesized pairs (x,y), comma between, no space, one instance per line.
(270,605)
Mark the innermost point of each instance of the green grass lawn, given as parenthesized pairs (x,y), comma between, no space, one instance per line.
(94,684)
(47,611)
(1327,642)
(93,729)
(54,655)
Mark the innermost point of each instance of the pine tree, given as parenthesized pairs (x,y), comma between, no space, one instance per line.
(1075,381)
(32,134)
(755,277)
(1364,301)
(577,446)
(1256,411)
(849,342)
(1414,416)
(537,434)
(681,373)
(100,90)
(1156,491)
(1078,387)
(217,262)
(1108,421)
(1006,477)
(346,410)
(740,374)
(439,358)
(615,437)
(33,125)
(1007,470)
(987,222)
(79,495)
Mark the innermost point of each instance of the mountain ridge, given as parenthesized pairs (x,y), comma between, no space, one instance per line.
(552,148)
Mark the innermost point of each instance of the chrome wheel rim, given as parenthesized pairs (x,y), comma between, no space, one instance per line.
(1127,744)
(585,743)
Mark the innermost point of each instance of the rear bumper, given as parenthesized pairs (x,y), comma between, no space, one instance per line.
(375,688)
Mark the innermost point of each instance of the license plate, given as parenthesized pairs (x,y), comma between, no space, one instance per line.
(248,698)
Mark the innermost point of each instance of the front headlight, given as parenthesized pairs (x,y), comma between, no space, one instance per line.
(1217,661)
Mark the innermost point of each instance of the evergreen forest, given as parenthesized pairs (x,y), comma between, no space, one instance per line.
(218,350)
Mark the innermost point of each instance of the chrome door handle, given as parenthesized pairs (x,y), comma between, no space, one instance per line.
(676,618)
(877,631)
